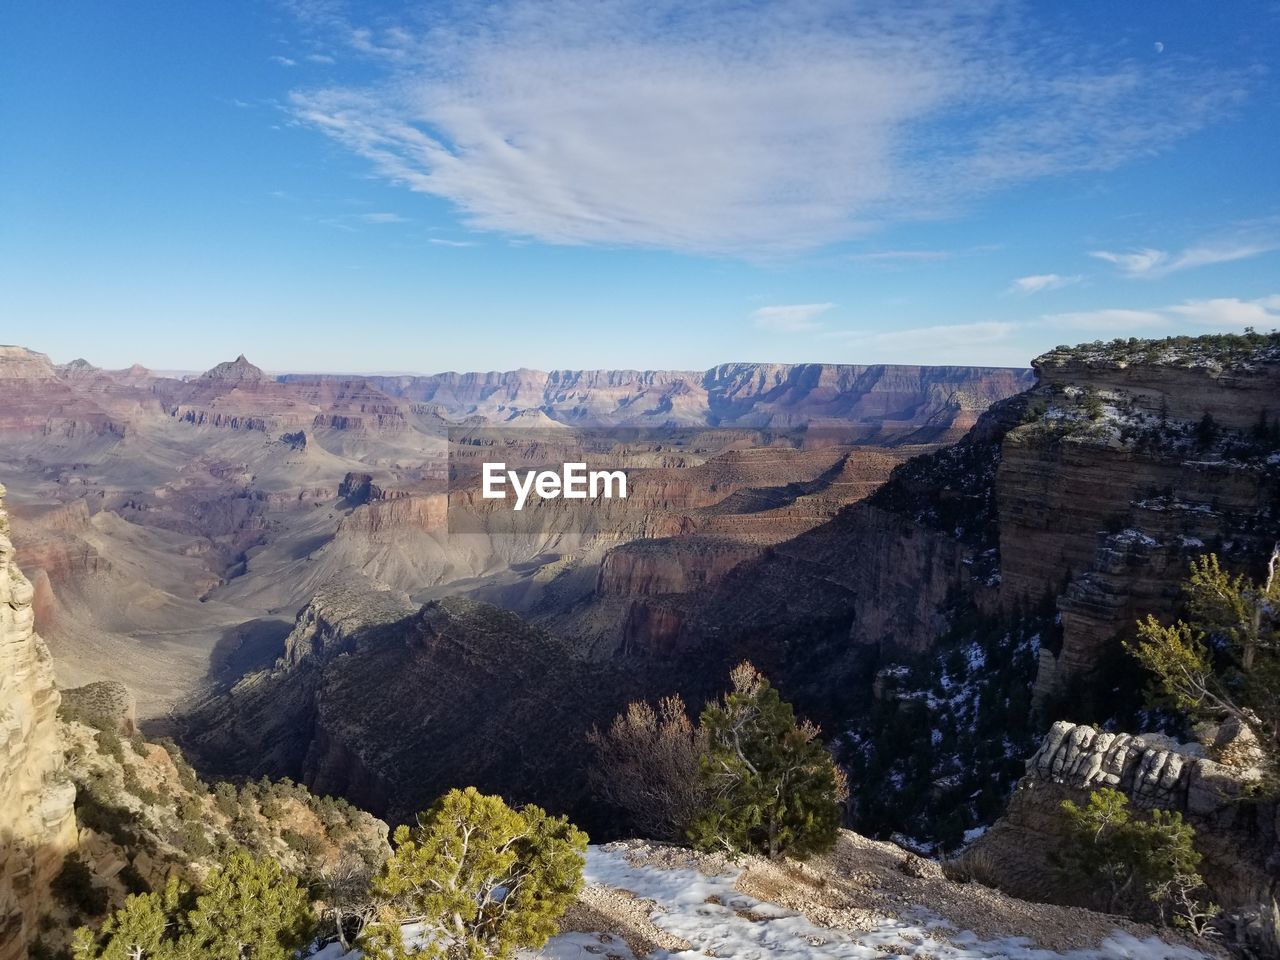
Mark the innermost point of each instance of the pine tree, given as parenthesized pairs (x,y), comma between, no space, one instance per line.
(1147,867)
(1224,663)
(480,878)
(773,787)
(249,909)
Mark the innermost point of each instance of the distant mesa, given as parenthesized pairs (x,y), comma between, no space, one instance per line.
(19,363)
(239,370)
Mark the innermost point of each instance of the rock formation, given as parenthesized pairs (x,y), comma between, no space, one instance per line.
(1238,835)
(37,817)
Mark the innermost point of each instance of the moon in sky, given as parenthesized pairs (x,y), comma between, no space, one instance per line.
(1159,47)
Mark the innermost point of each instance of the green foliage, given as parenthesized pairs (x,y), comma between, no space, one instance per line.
(304,843)
(135,786)
(1146,867)
(484,879)
(772,786)
(248,909)
(110,745)
(226,800)
(1224,663)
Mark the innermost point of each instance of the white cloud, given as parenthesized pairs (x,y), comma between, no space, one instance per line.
(383,218)
(1042,281)
(1220,314)
(790,318)
(440,242)
(1148,262)
(284,61)
(742,129)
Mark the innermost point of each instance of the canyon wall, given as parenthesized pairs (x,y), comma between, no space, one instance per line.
(37,816)
(1108,493)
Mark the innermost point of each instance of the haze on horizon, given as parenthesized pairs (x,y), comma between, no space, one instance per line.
(332,186)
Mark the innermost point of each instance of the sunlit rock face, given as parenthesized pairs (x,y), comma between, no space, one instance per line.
(37,816)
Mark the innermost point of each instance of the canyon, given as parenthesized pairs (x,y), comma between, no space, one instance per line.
(172,528)
(300,576)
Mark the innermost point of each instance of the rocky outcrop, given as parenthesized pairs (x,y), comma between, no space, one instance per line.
(37,817)
(1238,835)
(19,363)
(239,370)
(1118,479)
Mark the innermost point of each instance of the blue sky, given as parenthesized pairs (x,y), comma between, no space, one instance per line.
(608,183)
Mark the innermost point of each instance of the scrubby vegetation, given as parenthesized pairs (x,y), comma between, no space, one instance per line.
(248,908)
(479,878)
(1221,350)
(648,766)
(749,778)
(772,787)
(1143,866)
(142,804)
(472,878)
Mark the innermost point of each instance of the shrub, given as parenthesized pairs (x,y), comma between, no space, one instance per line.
(772,786)
(226,800)
(483,879)
(194,841)
(304,843)
(109,744)
(1144,867)
(249,908)
(647,763)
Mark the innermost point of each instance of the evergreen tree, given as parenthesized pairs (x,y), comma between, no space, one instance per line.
(772,786)
(1225,663)
(480,878)
(1146,867)
(250,910)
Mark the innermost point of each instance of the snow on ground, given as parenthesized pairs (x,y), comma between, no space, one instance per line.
(717,920)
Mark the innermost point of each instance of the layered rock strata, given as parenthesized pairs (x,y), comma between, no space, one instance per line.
(37,816)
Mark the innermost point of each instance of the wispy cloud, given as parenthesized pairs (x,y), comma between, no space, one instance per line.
(734,128)
(441,242)
(1220,313)
(902,256)
(790,318)
(1037,283)
(284,61)
(1149,262)
(382,218)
